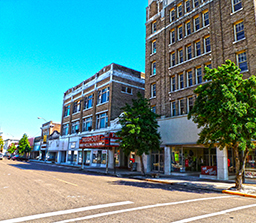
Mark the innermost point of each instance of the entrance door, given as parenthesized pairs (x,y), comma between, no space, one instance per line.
(157,161)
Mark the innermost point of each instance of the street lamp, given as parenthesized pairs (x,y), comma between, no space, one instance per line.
(41,118)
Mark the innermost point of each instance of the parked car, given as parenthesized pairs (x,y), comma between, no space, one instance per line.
(1,156)
(19,158)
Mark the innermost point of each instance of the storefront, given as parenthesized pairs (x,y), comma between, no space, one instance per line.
(250,169)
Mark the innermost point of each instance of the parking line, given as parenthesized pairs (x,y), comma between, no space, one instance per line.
(139,208)
(56,213)
(66,182)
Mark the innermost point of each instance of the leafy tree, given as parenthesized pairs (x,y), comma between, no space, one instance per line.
(139,129)
(12,148)
(24,146)
(1,143)
(225,109)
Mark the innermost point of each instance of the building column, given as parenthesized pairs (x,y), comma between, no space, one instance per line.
(222,164)
(167,160)
(58,157)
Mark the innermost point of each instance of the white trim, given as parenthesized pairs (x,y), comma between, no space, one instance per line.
(104,111)
(130,85)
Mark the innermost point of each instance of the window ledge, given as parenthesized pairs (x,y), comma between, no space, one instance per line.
(66,116)
(244,71)
(237,41)
(76,113)
(152,54)
(152,75)
(88,108)
(152,97)
(126,93)
(232,13)
(102,103)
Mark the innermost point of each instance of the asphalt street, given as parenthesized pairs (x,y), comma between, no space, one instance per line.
(38,192)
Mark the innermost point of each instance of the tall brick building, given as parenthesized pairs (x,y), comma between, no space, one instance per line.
(182,37)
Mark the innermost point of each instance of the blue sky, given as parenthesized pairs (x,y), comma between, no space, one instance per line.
(49,46)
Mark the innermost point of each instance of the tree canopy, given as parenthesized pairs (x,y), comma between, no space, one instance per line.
(12,148)
(1,143)
(225,109)
(24,146)
(139,131)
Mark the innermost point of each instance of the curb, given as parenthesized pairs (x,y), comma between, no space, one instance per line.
(238,193)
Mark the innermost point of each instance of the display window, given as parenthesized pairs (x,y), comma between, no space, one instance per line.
(250,167)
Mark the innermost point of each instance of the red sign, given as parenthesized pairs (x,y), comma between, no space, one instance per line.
(209,170)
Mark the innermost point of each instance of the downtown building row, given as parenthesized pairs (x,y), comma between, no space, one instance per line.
(182,37)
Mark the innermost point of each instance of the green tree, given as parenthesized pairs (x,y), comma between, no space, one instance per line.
(12,148)
(1,144)
(24,146)
(139,129)
(225,109)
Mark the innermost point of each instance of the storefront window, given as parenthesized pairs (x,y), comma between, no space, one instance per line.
(88,157)
(103,156)
(250,170)
(79,157)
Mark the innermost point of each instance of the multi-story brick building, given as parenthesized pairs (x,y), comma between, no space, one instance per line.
(89,108)
(182,37)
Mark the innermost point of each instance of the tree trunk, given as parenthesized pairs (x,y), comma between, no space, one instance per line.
(142,165)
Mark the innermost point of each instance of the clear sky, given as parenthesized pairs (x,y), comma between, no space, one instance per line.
(49,46)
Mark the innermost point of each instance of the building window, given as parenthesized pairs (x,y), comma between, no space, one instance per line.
(172,36)
(199,77)
(87,124)
(190,104)
(153,27)
(207,44)
(76,106)
(65,129)
(172,15)
(154,46)
(153,68)
(153,108)
(180,55)
(66,110)
(179,12)
(103,95)
(181,81)
(172,59)
(181,107)
(75,127)
(153,90)
(196,3)
(189,78)
(102,120)
(187,6)
(188,52)
(173,108)
(173,84)
(126,90)
(242,61)
(209,65)
(236,4)
(239,30)
(206,18)
(180,32)
(196,23)
(88,102)
(188,28)
(197,48)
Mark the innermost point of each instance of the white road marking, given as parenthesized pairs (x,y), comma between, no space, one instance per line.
(215,214)
(50,214)
(139,208)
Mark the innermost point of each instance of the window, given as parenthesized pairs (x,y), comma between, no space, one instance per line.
(239,30)
(75,127)
(196,23)
(206,18)
(88,102)
(197,48)
(181,107)
(172,36)
(173,108)
(199,77)
(207,44)
(65,129)
(153,27)
(76,106)
(172,59)
(180,32)
(153,46)
(209,65)
(179,12)
(188,52)
(172,15)
(126,90)
(87,124)
(190,104)
(173,84)
(153,108)
(236,5)
(153,90)
(196,3)
(181,81)
(180,55)
(187,6)
(189,78)
(188,28)
(242,61)
(153,68)
(102,120)
(67,110)
(103,95)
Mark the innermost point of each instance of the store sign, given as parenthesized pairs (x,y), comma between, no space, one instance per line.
(209,170)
